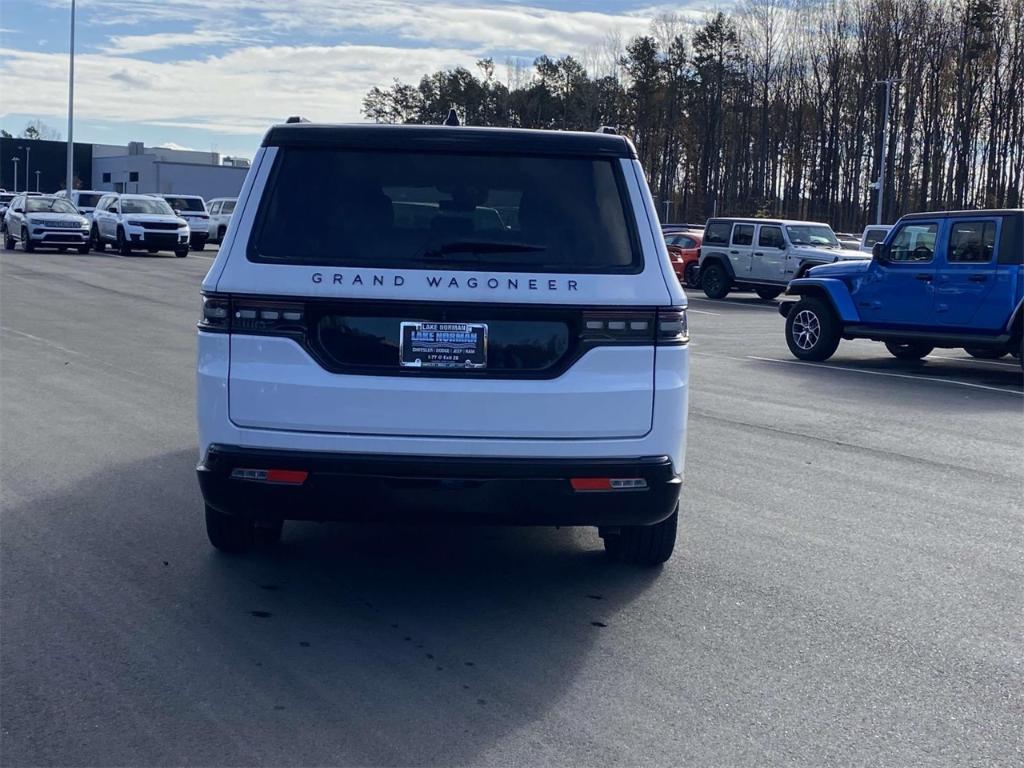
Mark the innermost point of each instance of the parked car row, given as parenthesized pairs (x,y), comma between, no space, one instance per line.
(92,219)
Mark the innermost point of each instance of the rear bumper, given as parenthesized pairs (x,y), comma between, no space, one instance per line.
(438,489)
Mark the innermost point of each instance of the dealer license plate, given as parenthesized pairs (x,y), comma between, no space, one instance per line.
(443,345)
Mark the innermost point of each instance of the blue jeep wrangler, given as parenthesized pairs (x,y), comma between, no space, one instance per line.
(949,279)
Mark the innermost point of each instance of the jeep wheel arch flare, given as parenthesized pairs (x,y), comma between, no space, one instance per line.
(476,325)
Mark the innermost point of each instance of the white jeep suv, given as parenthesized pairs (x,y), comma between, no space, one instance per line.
(763,255)
(528,368)
(138,222)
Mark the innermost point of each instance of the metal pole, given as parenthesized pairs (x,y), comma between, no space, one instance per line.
(15,161)
(885,146)
(667,204)
(28,158)
(37,180)
(70,182)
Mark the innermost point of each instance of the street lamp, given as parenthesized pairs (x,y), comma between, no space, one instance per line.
(15,161)
(28,150)
(70,183)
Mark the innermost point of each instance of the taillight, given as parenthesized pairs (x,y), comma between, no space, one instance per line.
(254,316)
(672,326)
(662,326)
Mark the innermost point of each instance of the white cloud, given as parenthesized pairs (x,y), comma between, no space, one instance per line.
(241,92)
(132,44)
(173,145)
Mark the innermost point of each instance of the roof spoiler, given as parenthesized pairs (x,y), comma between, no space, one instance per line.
(296,119)
(607,129)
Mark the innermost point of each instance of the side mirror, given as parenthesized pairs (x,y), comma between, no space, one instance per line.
(879,253)
(19,210)
(177,212)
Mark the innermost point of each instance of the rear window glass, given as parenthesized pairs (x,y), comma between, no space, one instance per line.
(459,211)
(717,233)
(87,200)
(186,203)
(872,236)
(144,205)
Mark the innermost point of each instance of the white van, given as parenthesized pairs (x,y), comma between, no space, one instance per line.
(524,368)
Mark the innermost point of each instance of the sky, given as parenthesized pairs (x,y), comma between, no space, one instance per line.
(213,74)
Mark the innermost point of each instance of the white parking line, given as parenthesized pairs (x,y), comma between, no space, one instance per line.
(981,361)
(703,312)
(883,373)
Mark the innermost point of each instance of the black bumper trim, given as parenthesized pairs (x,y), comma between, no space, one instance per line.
(438,489)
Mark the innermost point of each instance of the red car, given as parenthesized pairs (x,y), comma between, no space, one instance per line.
(684,251)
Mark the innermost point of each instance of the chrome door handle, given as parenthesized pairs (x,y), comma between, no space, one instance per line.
(978,278)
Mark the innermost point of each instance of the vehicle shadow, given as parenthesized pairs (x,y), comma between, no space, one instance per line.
(367,645)
(1004,373)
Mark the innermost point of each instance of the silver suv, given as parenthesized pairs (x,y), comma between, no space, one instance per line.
(765,254)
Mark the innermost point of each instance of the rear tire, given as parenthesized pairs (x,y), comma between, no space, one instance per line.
(83,249)
(715,281)
(812,330)
(97,242)
(768,293)
(220,234)
(9,241)
(229,533)
(26,241)
(908,351)
(644,544)
(199,247)
(983,353)
(181,253)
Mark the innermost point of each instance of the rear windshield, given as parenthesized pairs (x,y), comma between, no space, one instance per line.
(4,198)
(337,207)
(186,204)
(87,200)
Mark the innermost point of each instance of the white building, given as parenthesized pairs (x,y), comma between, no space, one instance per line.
(159,170)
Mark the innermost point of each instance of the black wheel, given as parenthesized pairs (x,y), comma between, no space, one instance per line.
(812,330)
(220,234)
(909,350)
(9,241)
(983,353)
(26,241)
(97,241)
(181,253)
(644,544)
(83,249)
(199,247)
(715,281)
(768,293)
(123,246)
(229,533)
(690,276)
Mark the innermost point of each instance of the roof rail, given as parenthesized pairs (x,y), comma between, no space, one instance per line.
(608,129)
(296,119)
(453,118)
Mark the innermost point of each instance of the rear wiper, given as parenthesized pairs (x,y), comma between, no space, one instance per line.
(480,246)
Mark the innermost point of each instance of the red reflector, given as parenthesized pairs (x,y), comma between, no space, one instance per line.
(591,483)
(293,476)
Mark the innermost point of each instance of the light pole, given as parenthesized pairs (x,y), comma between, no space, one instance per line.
(70,182)
(15,161)
(880,184)
(37,180)
(28,156)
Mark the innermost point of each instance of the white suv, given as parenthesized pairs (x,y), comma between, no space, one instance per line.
(221,209)
(763,255)
(528,368)
(84,200)
(193,210)
(137,223)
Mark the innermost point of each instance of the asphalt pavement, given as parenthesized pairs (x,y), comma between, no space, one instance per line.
(847,588)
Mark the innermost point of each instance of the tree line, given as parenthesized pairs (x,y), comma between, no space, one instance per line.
(776,108)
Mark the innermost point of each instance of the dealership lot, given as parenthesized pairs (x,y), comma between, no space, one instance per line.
(846,588)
